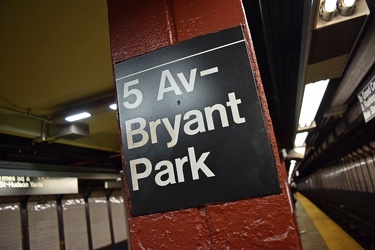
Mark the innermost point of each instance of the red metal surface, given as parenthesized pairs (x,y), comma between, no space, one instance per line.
(184,229)
(138,27)
(195,17)
(260,223)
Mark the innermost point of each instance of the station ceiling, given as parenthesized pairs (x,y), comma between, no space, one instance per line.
(55,59)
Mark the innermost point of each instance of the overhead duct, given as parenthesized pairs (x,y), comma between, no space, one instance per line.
(72,131)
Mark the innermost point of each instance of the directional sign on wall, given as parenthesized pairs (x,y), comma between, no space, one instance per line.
(192,127)
(367,100)
(26,185)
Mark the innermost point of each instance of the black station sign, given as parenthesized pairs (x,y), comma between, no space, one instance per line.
(192,127)
(26,185)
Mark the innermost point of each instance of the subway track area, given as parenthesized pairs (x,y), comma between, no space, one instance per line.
(333,220)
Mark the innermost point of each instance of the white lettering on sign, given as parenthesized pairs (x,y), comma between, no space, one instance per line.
(209,71)
(167,175)
(173,86)
(130,92)
(7,182)
(8,178)
(140,132)
(137,127)
(367,100)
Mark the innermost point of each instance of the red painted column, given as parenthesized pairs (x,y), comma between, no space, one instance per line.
(138,27)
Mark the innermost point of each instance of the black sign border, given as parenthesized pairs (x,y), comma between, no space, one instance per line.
(140,205)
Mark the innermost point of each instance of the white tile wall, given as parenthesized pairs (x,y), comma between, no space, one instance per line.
(75,226)
(118,218)
(99,219)
(43,226)
(10,229)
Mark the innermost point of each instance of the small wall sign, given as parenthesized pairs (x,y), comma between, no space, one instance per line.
(25,185)
(367,100)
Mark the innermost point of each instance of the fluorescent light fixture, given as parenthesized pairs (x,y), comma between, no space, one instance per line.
(300,150)
(113,106)
(327,9)
(300,139)
(77,117)
(349,3)
(346,7)
(330,5)
(291,169)
(312,98)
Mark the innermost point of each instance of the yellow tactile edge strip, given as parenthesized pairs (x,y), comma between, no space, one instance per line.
(333,235)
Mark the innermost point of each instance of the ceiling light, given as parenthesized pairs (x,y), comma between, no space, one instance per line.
(349,2)
(312,97)
(77,117)
(327,9)
(346,7)
(291,169)
(113,106)
(300,139)
(300,150)
(330,5)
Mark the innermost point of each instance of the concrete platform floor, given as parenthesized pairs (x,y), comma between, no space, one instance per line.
(318,231)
